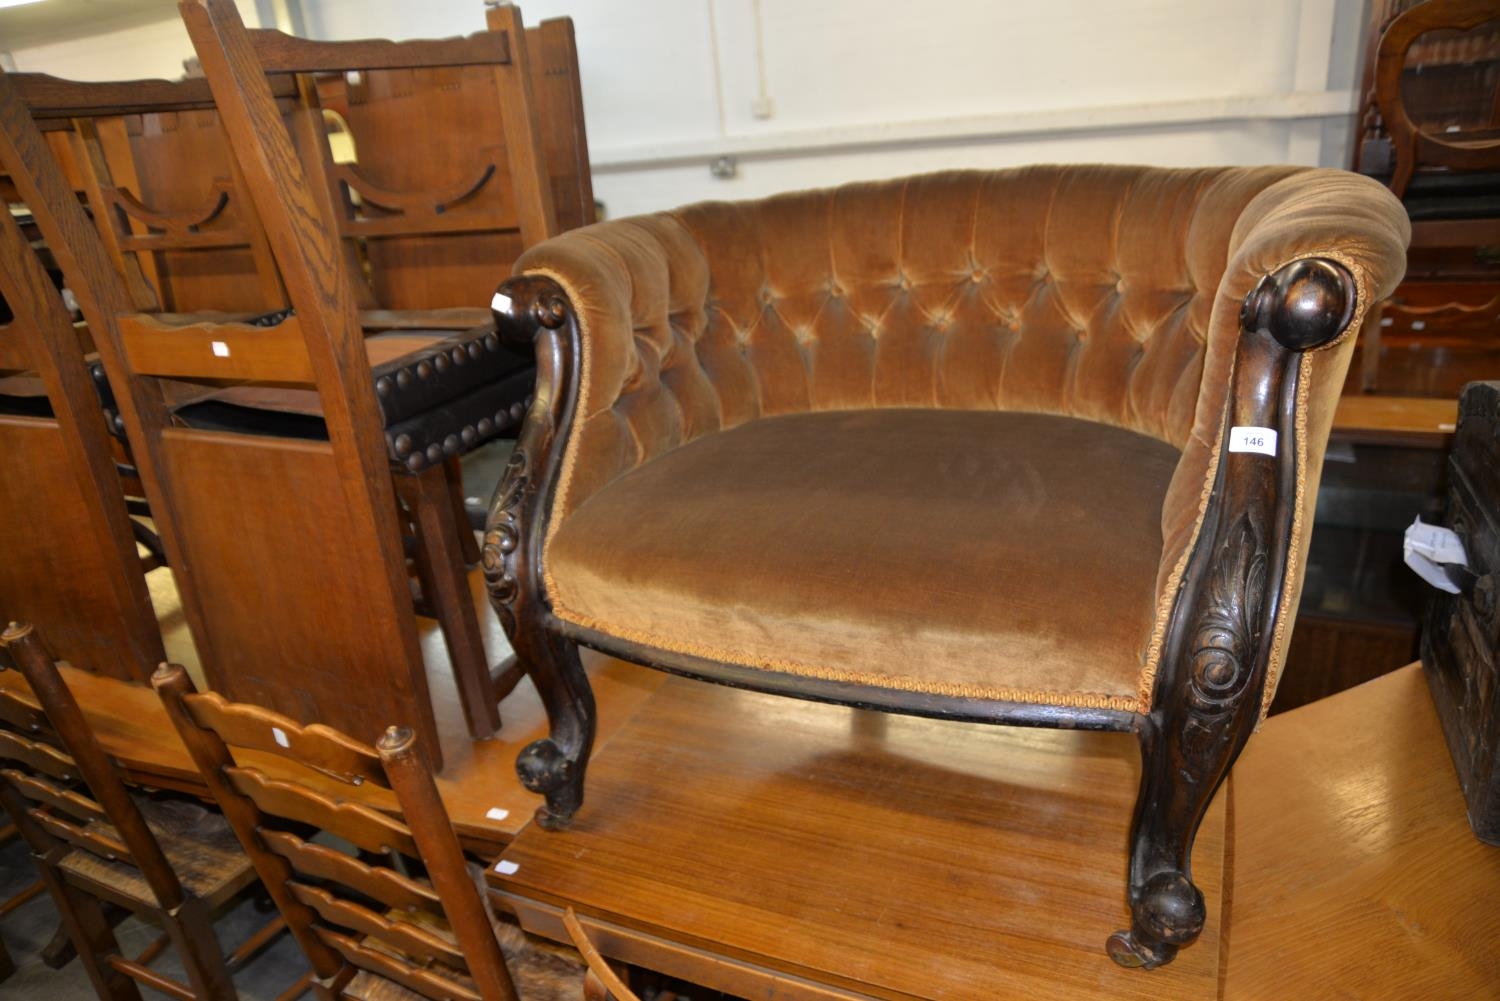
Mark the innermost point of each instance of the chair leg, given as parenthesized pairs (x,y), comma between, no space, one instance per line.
(446,588)
(191,930)
(1207,704)
(453,472)
(554,766)
(7,965)
(93,936)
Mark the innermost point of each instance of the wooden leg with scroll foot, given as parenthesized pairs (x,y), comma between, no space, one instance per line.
(554,766)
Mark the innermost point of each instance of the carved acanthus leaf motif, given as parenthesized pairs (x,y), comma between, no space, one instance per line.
(1227,635)
(502,537)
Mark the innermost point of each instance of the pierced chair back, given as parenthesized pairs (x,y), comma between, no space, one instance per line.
(164,189)
(451,180)
(364,911)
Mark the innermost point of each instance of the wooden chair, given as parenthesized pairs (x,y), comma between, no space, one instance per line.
(393,911)
(171,861)
(435,211)
(65,528)
(204,247)
(1433,136)
(349,654)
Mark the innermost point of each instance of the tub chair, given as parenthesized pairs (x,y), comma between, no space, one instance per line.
(1033,447)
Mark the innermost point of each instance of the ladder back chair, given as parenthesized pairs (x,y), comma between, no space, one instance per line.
(361,907)
(170,860)
(71,562)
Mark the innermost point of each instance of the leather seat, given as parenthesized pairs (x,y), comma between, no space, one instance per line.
(922,550)
(440,394)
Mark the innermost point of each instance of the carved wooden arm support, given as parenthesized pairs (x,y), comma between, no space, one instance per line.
(1221,635)
(533,315)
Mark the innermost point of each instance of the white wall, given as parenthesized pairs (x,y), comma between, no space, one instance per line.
(874,88)
(146,51)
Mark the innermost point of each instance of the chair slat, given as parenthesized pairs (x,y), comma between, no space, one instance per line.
(91,841)
(51,97)
(38,757)
(403,935)
(41,791)
(354,822)
(282,53)
(216,350)
(424,982)
(318,747)
(385,885)
(25,715)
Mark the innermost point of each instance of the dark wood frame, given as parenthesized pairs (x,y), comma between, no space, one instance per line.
(1209,687)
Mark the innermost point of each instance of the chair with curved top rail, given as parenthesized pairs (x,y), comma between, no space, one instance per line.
(1033,447)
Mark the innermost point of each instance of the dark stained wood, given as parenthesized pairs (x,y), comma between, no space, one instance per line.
(1356,873)
(424,947)
(770,847)
(559,96)
(1461,633)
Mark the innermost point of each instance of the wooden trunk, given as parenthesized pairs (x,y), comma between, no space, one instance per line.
(1462,636)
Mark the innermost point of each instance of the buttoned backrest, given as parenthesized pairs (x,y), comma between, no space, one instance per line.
(1084,291)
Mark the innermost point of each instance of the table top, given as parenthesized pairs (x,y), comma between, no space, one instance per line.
(1354,866)
(478,784)
(1395,420)
(877,855)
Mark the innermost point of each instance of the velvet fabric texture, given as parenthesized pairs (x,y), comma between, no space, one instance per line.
(1107,294)
(945,551)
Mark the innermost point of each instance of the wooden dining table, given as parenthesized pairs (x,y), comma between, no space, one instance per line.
(778,849)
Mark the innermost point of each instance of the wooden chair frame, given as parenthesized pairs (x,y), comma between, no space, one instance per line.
(70,487)
(66,796)
(324,893)
(1210,685)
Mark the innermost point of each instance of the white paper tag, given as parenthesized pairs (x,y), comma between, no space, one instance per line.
(506,867)
(500,303)
(496,813)
(279,735)
(1252,439)
(221,350)
(1427,547)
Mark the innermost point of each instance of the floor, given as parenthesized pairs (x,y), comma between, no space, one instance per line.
(27,930)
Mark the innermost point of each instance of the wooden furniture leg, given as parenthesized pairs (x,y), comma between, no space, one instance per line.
(445,586)
(453,471)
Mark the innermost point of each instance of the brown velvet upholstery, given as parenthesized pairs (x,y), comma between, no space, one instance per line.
(1109,294)
(924,550)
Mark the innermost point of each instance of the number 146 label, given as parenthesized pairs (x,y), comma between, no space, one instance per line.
(1251,439)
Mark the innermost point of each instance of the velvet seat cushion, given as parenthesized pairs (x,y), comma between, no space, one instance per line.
(996,555)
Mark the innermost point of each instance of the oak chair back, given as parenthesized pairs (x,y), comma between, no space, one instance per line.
(317,518)
(1479,149)
(67,537)
(452,177)
(164,189)
(364,911)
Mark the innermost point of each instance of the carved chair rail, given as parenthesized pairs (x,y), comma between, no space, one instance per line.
(1213,311)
